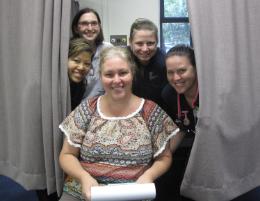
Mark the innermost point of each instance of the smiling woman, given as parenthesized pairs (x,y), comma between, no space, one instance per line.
(117,137)
(87,24)
(79,65)
(181,97)
(150,77)
(116,72)
(181,94)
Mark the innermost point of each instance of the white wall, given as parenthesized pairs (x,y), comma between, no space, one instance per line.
(118,15)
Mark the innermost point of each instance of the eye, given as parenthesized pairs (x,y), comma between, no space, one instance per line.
(123,73)
(88,65)
(139,43)
(170,72)
(76,60)
(94,23)
(109,75)
(181,71)
(87,23)
(151,43)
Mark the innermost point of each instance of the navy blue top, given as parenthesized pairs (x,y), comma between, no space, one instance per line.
(150,79)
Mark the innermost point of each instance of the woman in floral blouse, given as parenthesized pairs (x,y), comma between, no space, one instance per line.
(117,137)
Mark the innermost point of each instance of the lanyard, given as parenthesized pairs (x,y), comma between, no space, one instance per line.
(192,105)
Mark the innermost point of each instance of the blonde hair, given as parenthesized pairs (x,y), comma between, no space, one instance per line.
(143,24)
(118,52)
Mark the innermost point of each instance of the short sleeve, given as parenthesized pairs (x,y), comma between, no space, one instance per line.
(161,127)
(76,123)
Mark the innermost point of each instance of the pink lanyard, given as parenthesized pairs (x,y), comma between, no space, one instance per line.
(179,103)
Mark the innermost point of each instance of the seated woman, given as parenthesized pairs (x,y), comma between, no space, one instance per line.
(117,137)
(79,65)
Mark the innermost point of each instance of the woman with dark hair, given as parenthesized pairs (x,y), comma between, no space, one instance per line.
(182,88)
(87,24)
(182,98)
(79,65)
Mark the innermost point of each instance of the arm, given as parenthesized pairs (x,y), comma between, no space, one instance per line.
(70,164)
(176,140)
(161,164)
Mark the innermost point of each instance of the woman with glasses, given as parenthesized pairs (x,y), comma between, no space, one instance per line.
(87,24)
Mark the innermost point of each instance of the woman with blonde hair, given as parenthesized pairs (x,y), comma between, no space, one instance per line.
(117,137)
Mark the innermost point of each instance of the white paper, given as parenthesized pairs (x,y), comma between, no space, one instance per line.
(123,192)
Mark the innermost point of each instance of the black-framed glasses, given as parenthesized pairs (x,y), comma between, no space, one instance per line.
(87,23)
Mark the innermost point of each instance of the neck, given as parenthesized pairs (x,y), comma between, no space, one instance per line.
(93,45)
(123,107)
(72,83)
(144,63)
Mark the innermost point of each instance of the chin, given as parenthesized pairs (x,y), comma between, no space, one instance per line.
(119,97)
(76,80)
(179,91)
(90,38)
(146,59)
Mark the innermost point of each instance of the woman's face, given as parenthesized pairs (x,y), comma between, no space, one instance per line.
(181,75)
(78,66)
(117,77)
(144,45)
(89,26)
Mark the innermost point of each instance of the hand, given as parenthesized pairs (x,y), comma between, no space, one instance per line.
(87,182)
(144,178)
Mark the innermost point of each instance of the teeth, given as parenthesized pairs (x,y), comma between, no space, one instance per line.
(117,88)
(78,74)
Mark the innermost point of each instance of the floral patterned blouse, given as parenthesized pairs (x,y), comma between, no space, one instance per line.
(116,149)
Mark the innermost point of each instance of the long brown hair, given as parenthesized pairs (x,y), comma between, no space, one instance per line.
(75,21)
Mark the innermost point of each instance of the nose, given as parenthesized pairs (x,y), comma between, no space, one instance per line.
(81,66)
(145,47)
(117,78)
(176,76)
(89,26)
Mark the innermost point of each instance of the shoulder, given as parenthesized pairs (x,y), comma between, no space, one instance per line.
(102,46)
(155,117)
(159,58)
(89,104)
(160,52)
(169,92)
(106,44)
(149,105)
(150,109)
(81,115)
